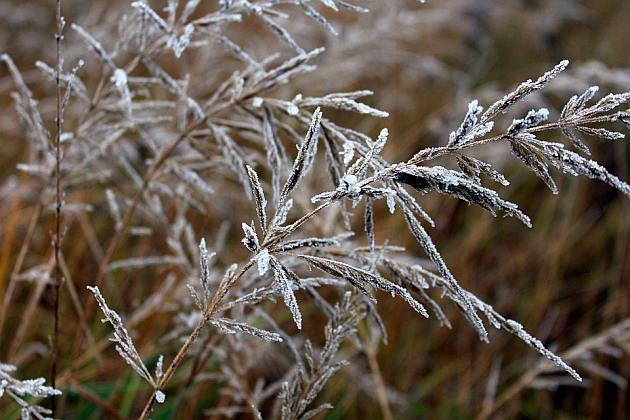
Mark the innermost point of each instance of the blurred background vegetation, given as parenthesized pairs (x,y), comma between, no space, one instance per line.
(564,280)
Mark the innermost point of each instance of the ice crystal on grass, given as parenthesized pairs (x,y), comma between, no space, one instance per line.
(160,397)
(215,135)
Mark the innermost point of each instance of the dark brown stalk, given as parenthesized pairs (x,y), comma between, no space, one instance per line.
(58,204)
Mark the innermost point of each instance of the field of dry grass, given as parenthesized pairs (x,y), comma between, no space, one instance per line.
(566,280)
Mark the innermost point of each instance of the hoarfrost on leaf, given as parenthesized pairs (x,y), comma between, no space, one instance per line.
(262,260)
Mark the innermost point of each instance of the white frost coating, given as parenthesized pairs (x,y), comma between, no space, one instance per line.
(159,368)
(532,119)
(160,396)
(146,9)
(120,80)
(122,338)
(348,152)
(391,202)
(193,179)
(331,4)
(470,129)
(251,239)
(262,260)
(113,207)
(257,102)
(538,346)
(179,45)
(283,284)
(348,184)
(292,109)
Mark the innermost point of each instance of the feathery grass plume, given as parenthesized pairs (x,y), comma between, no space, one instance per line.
(120,80)
(474,168)
(17,389)
(423,280)
(470,129)
(259,196)
(305,156)
(228,326)
(283,279)
(453,183)
(204,270)
(190,113)
(96,46)
(524,89)
(124,344)
(312,242)
(114,209)
(346,101)
(611,342)
(361,279)
(423,238)
(27,106)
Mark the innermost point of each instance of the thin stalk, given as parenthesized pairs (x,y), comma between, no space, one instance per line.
(377,377)
(58,205)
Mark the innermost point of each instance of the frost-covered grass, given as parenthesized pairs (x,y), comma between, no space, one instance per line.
(211,203)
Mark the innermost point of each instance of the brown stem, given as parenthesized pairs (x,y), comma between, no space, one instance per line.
(379,383)
(58,205)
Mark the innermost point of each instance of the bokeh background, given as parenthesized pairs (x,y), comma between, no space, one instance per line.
(564,280)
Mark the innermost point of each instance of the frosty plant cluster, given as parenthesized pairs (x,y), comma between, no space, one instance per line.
(158,147)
